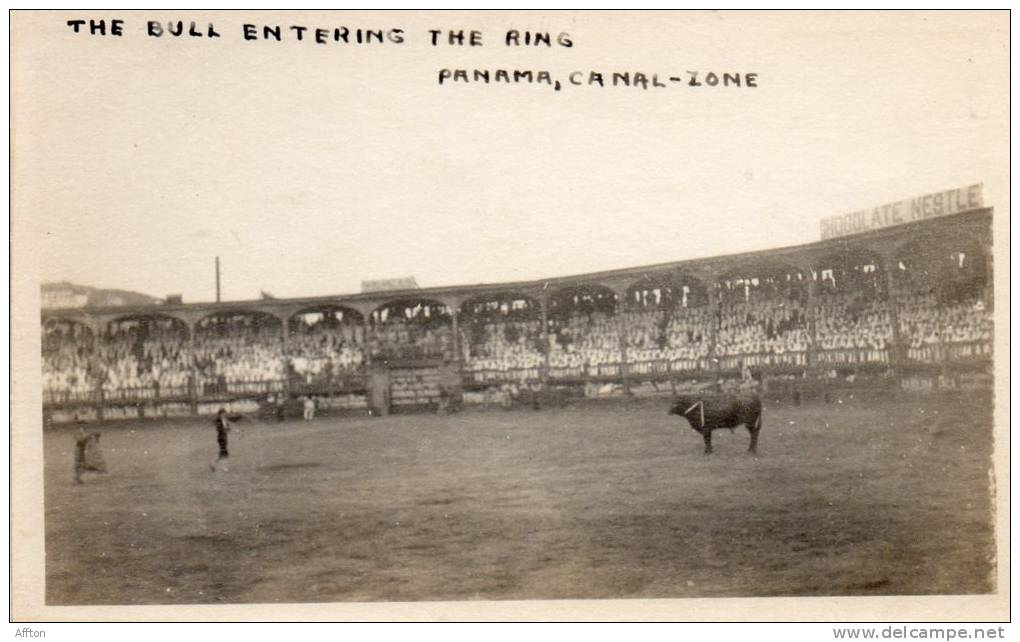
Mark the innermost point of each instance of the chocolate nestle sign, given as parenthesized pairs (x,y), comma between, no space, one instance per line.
(943,203)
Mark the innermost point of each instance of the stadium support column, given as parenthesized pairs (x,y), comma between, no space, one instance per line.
(988,292)
(812,355)
(100,400)
(897,351)
(285,355)
(456,336)
(713,329)
(98,366)
(624,367)
(543,307)
(366,347)
(193,375)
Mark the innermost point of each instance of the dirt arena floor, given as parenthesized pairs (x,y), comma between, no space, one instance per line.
(601,500)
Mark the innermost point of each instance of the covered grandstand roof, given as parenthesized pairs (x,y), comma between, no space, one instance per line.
(883,242)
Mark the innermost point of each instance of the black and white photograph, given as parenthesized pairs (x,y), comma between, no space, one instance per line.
(349,309)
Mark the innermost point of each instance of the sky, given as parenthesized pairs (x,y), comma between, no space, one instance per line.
(308,168)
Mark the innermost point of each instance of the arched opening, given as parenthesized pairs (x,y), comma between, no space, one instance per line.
(943,305)
(666,320)
(239,352)
(763,318)
(324,317)
(853,270)
(501,337)
(966,275)
(764,282)
(666,291)
(950,270)
(58,333)
(237,323)
(411,329)
(145,356)
(325,344)
(852,311)
(68,361)
(583,299)
(584,332)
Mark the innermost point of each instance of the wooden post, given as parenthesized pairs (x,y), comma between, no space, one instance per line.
(896,350)
(713,330)
(100,400)
(624,368)
(456,337)
(285,354)
(543,305)
(812,356)
(988,295)
(366,351)
(944,366)
(99,367)
(193,376)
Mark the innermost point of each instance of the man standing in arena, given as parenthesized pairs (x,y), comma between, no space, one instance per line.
(87,455)
(81,440)
(222,423)
(309,408)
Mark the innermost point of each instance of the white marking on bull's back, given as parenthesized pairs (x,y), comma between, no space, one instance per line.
(698,404)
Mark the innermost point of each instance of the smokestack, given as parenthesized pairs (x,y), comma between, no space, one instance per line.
(217,279)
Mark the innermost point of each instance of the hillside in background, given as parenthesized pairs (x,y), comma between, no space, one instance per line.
(64,294)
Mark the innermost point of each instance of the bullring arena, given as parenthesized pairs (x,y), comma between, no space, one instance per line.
(511,440)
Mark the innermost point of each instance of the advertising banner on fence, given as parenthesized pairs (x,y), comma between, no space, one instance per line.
(942,203)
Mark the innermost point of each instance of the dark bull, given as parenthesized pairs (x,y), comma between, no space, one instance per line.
(709,412)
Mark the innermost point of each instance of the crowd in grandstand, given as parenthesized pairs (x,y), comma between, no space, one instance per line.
(753,325)
(852,328)
(763,333)
(137,356)
(67,361)
(240,353)
(587,342)
(688,339)
(500,349)
(659,339)
(951,330)
(411,330)
(409,339)
(325,350)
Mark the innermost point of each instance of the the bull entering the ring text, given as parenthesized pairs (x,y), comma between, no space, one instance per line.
(709,412)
